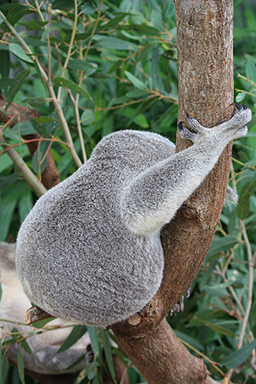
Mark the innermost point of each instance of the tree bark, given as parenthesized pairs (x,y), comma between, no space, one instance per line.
(205,65)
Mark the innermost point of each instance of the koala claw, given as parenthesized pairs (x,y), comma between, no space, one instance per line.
(193,131)
(185,132)
(238,107)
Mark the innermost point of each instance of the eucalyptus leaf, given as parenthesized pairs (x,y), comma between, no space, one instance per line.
(135,81)
(77,332)
(251,70)
(237,358)
(61,82)
(94,337)
(18,51)
(20,364)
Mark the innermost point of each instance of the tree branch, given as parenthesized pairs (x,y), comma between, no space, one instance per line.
(205,91)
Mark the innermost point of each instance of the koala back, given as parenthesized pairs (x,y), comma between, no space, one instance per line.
(75,256)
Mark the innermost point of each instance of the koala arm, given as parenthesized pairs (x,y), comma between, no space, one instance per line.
(153,197)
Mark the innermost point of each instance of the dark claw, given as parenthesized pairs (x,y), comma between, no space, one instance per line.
(238,107)
(180,126)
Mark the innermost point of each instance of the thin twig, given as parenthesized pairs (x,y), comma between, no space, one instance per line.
(76,100)
(24,169)
(231,289)
(70,45)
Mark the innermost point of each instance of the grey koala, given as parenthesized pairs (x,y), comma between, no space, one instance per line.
(89,251)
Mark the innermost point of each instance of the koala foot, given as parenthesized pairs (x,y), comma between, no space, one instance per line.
(192,132)
(236,126)
(179,307)
(231,197)
(233,128)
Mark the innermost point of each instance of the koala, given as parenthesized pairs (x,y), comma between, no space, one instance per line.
(44,346)
(90,251)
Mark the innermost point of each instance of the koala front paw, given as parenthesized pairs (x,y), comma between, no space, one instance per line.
(236,126)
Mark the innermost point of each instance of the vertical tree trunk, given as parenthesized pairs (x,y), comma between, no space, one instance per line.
(205,63)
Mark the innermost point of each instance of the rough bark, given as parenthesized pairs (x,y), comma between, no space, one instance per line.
(205,64)
(50,176)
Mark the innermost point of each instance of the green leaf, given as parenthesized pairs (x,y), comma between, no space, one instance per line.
(39,160)
(77,332)
(240,96)
(8,133)
(218,289)
(4,365)
(5,83)
(44,119)
(25,346)
(93,333)
(136,82)
(5,63)
(116,20)
(237,358)
(61,82)
(248,190)
(62,4)
(227,331)
(108,353)
(190,340)
(25,205)
(18,51)
(220,245)
(154,69)
(7,207)
(251,70)
(35,25)
(19,78)
(16,12)
(24,128)
(20,364)
(105,42)
(81,65)
(35,101)
(9,180)
(88,117)
(42,323)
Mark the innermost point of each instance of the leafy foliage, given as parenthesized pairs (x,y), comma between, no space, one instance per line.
(112,66)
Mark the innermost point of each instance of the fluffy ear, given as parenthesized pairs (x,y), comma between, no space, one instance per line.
(231,197)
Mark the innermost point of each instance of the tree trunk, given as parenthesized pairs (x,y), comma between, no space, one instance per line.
(205,64)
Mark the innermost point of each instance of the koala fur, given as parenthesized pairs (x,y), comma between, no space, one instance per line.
(89,251)
(44,346)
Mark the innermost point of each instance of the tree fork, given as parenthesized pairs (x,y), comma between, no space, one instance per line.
(205,66)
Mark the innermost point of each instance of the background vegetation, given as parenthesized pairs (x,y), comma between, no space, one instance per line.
(113,65)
